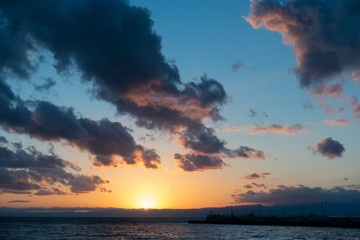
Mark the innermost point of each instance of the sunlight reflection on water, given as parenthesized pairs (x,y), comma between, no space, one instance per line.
(114,228)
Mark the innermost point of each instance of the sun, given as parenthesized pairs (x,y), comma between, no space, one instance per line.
(146,202)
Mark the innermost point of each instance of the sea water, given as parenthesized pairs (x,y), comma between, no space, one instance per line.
(131,228)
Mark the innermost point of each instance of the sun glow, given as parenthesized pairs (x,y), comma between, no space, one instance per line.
(146,202)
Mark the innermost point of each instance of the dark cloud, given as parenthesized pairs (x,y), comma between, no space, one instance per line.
(103,138)
(330,148)
(248,186)
(245,152)
(49,83)
(191,162)
(324,34)
(276,128)
(3,140)
(53,191)
(18,201)
(30,171)
(257,185)
(257,175)
(290,195)
(202,139)
(113,45)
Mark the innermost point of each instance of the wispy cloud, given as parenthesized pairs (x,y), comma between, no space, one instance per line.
(277,128)
(339,122)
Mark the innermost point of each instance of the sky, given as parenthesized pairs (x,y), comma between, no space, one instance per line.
(179,104)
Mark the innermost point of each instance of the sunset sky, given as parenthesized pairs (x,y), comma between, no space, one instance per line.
(179,104)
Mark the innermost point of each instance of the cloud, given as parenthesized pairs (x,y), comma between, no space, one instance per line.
(3,140)
(332,90)
(257,175)
(245,152)
(18,201)
(195,162)
(253,112)
(30,171)
(248,186)
(290,195)
(103,138)
(49,83)
(113,45)
(355,106)
(254,185)
(257,185)
(324,34)
(339,122)
(276,128)
(237,65)
(234,129)
(329,147)
(356,76)
(331,110)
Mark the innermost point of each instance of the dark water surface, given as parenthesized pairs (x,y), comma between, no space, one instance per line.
(131,228)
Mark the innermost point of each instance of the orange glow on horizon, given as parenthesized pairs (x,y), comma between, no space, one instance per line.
(146,202)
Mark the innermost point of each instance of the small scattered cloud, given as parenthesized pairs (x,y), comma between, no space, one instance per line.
(49,83)
(253,112)
(330,110)
(276,128)
(332,90)
(356,76)
(339,122)
(329,148)
(195,162)
(234,129)
(237,65)
(19,201)
(257,175)
(355,107)
(306,105)
(257,185)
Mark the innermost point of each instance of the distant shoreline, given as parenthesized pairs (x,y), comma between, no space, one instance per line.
(299,221)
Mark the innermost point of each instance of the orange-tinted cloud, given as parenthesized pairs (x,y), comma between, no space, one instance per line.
(339,122)
(276,128)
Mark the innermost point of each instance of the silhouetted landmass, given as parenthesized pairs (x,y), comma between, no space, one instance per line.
(311,221)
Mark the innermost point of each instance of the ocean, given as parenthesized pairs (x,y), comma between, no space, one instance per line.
(136,228)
